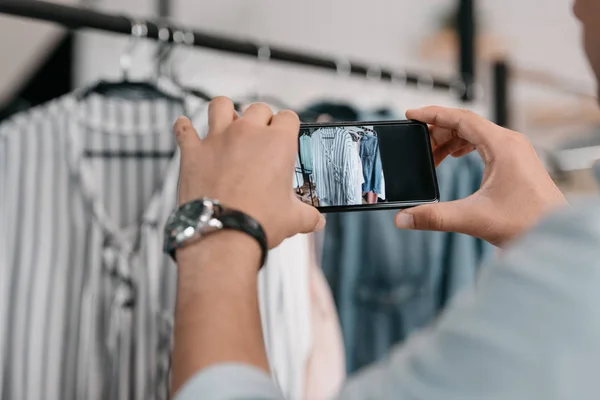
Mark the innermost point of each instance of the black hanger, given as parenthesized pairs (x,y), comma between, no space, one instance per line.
(129,90)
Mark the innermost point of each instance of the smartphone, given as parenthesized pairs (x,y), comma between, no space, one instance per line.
(357,166)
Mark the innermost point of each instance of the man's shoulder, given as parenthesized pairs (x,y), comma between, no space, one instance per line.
(569,237)
(582,216)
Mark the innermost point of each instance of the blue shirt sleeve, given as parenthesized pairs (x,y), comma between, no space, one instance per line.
(529,330)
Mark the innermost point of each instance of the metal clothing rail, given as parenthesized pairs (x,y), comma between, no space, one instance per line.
(78,18)
(467,35)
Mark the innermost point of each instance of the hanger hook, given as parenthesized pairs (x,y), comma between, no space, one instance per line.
(425,82)
(263,53)
(458,88)
(477,91)
(343,67)
(374,73)
(181,37)
(139,30)
(164,47)
(399,78)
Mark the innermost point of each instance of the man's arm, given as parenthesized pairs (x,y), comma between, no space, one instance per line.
(217,317)
(246,163)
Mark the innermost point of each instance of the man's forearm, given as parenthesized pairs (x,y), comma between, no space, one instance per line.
(217,315)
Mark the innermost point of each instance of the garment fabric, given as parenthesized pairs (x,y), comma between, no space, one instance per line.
(326,369)
(361,179)
(388,283)
(371,163)
(335,167)
(86,294)
(305,149)
(285,303)
(528,330)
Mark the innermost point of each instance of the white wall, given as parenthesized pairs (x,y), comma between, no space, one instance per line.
(380,31)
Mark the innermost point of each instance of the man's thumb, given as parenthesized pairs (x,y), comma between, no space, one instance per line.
(445,217)
(309,219)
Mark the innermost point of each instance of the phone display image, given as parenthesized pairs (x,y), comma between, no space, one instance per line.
(339,167)
(347,166)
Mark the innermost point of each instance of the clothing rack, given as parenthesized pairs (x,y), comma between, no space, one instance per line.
(81,18)
(467,46)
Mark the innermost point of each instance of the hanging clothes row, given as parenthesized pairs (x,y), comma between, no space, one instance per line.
(341,165)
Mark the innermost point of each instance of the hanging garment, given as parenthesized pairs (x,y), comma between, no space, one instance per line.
(371,163)
(387,283)
(287,334)
(86,294)
(306,154)
(326,369)
(335,167)
(360,180)
(85,279)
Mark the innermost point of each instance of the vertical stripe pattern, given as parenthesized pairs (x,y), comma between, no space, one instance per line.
(335,167)
(86,295)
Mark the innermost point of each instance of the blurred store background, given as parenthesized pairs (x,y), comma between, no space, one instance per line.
(516,62)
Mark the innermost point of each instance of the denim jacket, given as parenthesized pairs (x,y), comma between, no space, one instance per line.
(386,282)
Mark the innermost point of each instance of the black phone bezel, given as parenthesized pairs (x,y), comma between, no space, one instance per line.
(379,206)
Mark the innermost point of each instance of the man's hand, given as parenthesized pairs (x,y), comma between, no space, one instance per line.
(516,190)
(247,163)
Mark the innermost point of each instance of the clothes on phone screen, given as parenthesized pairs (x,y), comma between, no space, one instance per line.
(359,172)
(371,163)
(306,155)
(335,168)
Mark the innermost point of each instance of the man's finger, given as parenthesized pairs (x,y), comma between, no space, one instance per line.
(463,152)
(287,125)
(288,120)
(444,217)
(186,135)
(221,113)
(467,124)
(309,218)
(440,136)
(258,113)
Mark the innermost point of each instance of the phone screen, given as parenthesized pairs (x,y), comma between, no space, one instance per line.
(365,165)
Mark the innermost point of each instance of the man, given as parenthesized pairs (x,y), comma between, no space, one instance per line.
(530,330)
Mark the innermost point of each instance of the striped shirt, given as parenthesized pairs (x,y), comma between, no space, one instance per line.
(335,167)
(86,295)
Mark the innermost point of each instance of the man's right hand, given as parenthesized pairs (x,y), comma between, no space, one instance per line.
(516,191)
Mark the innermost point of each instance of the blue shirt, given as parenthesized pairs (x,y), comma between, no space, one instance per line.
(387,282)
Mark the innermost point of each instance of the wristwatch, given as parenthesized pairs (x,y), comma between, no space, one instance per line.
(194,220)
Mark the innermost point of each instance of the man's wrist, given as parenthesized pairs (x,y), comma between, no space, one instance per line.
(219,249)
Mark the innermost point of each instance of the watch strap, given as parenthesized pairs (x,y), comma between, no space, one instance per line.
(237,220)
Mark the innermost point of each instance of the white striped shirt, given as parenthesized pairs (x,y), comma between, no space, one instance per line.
(335,167)
(86,294)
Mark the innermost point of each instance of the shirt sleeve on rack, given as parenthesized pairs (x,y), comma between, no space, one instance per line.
(230,381)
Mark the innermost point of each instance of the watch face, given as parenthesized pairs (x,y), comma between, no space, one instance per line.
(190,212)
(191,220)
